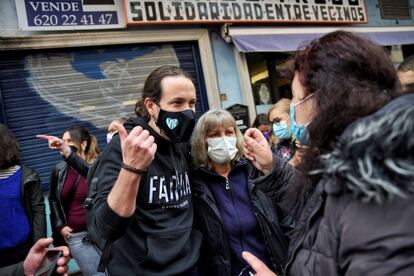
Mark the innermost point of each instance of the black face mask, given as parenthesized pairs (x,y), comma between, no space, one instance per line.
(178,126)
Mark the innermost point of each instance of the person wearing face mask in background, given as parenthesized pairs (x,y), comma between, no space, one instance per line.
(112,129)
(143,200)
(230,211)
(262,123)
(68,190)
(282,140)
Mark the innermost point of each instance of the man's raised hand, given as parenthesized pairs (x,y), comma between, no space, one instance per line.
(138,147)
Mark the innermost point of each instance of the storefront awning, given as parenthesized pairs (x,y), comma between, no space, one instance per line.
(283,39)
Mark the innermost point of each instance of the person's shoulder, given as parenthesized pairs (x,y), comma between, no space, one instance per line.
(28,172)
(134,122)
(29,175)
(61,165)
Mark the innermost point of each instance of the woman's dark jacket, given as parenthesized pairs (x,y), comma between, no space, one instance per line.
(360,220)
(57,179)
(33,202)
(215,257)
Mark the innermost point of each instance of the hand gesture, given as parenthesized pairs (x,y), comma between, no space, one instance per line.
(138,147)
(37,253)
(258,266)
(257,150)
(55,143)
(66,232)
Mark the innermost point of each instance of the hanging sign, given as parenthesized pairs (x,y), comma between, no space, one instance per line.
(244,11)
(43,15)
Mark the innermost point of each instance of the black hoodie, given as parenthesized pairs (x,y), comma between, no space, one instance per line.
(158,238)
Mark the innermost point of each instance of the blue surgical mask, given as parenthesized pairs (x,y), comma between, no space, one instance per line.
(282,131)
(297,129)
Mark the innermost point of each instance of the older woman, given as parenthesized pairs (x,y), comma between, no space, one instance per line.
(359,220)
(230,211)
(22,216)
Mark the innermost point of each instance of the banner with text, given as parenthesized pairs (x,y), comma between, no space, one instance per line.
(244,11)
(53,15)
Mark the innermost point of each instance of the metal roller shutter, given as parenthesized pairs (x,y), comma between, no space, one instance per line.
(46,91)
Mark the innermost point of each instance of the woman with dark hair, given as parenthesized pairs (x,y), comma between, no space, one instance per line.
(68,190)
(22,216)
(143,200)
(359,219)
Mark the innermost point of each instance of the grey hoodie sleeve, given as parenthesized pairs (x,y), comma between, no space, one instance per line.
(284,186)
(13,270)
(282,175)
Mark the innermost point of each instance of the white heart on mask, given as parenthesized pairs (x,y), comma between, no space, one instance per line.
(172,123)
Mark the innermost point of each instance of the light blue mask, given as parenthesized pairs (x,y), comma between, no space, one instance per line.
(282,131)
(297,129)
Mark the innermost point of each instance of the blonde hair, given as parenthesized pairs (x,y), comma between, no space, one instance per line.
(93,151)
(284,106)
(207,123)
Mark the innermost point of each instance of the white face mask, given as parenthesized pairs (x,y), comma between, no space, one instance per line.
(109,137)
(222,150)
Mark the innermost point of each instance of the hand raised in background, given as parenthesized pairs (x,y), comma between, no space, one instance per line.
(55,143)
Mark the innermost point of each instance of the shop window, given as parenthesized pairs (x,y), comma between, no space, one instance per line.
(395,9)
(270,77)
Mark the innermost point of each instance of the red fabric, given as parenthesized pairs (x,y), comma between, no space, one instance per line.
(73,200)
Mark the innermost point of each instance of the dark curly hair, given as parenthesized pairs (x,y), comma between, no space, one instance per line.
(350,77)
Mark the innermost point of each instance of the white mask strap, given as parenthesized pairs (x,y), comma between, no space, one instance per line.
(304,100)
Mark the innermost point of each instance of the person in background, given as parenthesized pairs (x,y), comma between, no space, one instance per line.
(359,219)
(405,73)
(34,259)
(262,123)
(230,211)
(22,215)
(282,140)
(112,129)
(68,190)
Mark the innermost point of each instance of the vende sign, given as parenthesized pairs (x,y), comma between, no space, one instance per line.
(244,11)
(52,15)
